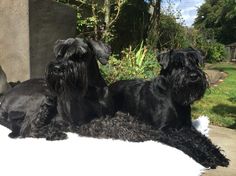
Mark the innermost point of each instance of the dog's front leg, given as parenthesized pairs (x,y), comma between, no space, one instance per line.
(184,115)
(59,125)
(38,125)
(57,129)
(61,122)
(16,119)
(47,111)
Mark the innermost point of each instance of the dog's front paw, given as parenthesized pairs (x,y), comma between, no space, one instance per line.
(57,130)
(56,136)
(60,125)
(13,135)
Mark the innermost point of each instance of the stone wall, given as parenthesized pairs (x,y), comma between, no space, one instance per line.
(14,39)
(29,29)
(48,21)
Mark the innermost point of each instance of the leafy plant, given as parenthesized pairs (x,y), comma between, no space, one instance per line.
(135,63)
(96,18)
(216,52)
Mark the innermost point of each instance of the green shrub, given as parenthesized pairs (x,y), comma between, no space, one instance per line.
(213,50)
(216,52)
(134,63)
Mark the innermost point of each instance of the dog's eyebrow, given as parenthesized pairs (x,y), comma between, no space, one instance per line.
(179,56)
(194,57)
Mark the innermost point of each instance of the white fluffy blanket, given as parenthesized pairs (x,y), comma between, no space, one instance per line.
(82,156)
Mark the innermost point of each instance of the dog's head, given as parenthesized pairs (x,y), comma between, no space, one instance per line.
(74,56)
(182,67)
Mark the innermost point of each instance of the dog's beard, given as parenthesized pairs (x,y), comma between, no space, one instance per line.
(185,92)
(67,77)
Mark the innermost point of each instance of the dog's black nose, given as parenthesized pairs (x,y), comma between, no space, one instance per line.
(57,67)
(193,76)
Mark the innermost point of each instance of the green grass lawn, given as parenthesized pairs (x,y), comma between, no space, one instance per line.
(219,103)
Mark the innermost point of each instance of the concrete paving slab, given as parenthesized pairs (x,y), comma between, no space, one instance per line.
(226,139)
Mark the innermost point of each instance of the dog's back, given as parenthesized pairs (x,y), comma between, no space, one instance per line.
(22,100)
(147,100)
(124,92)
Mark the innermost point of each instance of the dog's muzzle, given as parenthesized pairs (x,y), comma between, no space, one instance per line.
(67,75)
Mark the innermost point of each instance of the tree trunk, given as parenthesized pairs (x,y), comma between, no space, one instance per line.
(96,25)
(107,7)
(154,25)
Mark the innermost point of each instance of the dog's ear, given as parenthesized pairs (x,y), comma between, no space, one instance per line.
(101,50)
(58,48)
(164,59)
(198,56)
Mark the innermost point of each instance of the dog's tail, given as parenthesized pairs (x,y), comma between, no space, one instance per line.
(194,144)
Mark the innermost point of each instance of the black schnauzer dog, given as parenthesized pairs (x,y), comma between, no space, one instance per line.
(72,93)
(164,102)
(161,108)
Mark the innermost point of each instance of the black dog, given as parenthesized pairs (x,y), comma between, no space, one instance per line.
(72,93)
(161,108)
(164,102)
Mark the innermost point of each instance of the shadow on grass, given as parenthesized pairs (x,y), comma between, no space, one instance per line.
(224,69)
(232,99)
(226,110)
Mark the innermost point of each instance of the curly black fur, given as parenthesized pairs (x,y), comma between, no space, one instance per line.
(125,127)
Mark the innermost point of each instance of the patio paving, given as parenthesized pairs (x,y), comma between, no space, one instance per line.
(226,139)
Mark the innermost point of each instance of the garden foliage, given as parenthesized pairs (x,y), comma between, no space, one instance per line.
(136,62)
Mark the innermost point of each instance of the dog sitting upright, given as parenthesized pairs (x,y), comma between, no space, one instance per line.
(164,102)
(73,92)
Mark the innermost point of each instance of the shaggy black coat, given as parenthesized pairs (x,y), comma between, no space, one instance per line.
(72,93)
(164,101)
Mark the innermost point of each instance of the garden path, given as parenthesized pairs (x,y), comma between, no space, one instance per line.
(226,139)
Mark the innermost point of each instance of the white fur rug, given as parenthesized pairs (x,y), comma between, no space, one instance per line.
(94,157)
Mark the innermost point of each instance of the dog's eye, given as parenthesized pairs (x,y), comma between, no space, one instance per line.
(73,57)
(77,57)
(178,64)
